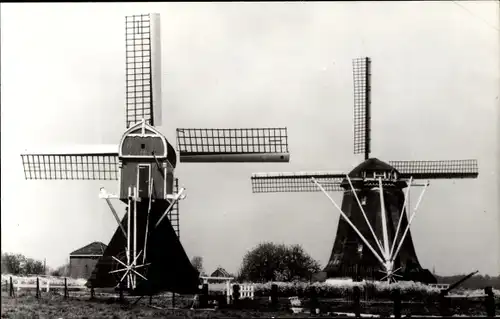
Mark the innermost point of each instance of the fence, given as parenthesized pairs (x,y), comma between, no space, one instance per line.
(246,291)
(41,284)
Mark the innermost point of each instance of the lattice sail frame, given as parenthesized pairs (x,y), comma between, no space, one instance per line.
(233,145)
(362,101)
(446,169)
(143,69)
(71,166)
(295,182)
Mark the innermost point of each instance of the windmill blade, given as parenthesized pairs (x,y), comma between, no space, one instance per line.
(445,169)
(143,69)
(233,145)
(296,182)
(362,100)
(98,162)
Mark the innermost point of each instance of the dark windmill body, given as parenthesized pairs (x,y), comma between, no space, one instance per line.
(373,230)
(145,255)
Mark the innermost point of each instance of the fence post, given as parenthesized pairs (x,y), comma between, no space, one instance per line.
(357,303)
(274,294)
(121,292)
(173,300)
(313,296)
(204,296)
(396,297)
(11,288)
(37,288)
(228,292)
(48,286)
(444,304)
(489,301)
(65,288)
(236,293)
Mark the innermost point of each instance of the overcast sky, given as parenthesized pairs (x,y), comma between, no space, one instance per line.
(435,96)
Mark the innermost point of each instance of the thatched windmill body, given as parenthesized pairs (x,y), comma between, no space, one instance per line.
(373,230)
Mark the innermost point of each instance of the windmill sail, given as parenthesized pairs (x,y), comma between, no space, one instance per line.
(445,169)
(99,162)
(233,145)
(143,69)
(362,100)
(295,182)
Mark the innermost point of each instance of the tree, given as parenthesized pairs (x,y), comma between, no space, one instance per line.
(197,263)
(18,264)
(13,263)
(61,271)
(33,267)
(272,262)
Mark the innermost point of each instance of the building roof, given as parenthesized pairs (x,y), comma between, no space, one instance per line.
(220,272)
(95,248)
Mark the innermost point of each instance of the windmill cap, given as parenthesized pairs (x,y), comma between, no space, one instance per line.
(371,165)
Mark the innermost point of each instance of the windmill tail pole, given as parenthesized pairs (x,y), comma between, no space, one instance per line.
(350,223)
(454,285)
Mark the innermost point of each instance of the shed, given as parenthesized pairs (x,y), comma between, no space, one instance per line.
(220,272)
(82,261)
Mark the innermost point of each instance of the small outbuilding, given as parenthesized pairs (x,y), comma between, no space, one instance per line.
(221,273)
(82,261)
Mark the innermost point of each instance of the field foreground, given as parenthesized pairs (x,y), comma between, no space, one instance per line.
(53,305)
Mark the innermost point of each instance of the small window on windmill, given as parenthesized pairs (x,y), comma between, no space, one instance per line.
(379,174)
(360,248)
(143,146)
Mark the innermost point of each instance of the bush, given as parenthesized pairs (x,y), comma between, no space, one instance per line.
(271,262)
(17,264)
(61,271)
(344,289)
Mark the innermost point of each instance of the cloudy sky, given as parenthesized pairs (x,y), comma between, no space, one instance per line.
(435,96)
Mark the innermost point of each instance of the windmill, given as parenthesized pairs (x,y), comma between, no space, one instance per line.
(374,208)
(145,255)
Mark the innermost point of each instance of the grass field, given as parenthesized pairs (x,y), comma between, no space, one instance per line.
(52,305)
(335,299)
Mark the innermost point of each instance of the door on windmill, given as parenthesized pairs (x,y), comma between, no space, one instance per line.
(135,173)
(143,180)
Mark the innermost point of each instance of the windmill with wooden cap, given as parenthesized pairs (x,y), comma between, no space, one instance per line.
(145,255)
(374,207)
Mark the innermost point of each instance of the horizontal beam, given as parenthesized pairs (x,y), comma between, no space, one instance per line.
(63,150)
(234,158)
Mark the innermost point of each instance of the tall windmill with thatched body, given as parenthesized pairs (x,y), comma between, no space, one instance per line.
(145,255)
(373,230)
